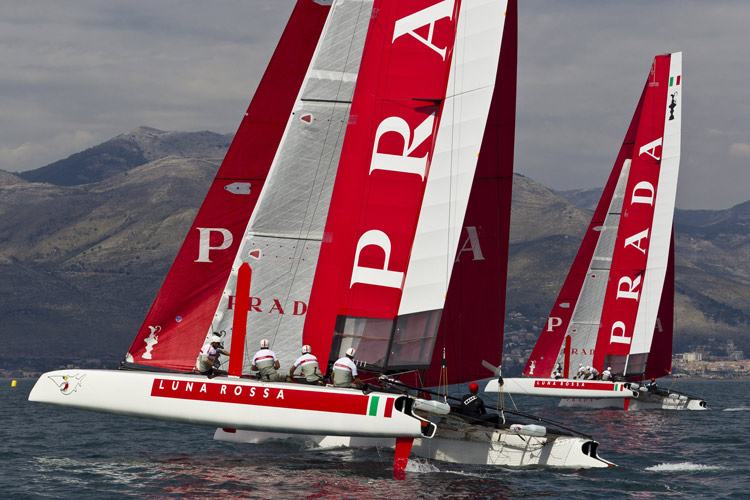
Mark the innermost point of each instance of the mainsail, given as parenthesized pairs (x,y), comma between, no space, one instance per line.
(620,288)
(383,200)
(408,172)
(183,311)
(354,238)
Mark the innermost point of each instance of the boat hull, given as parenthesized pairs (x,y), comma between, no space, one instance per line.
(643,402)
(561,388)
(229,402)
(465,444)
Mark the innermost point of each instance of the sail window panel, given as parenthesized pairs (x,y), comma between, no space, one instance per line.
(369,336)
(414,340)
(334,71)
(616,362)
(298,192)
(636,364)
(283,270)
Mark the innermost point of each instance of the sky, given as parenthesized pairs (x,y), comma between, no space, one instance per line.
(74,74)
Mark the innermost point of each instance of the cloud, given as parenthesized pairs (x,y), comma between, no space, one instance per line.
(741,149)
(35,154)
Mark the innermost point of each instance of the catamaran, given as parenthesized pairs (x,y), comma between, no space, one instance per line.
(615,310)
(364,203)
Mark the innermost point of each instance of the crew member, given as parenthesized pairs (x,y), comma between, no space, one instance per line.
(207,360)
(592,373)
(309,364)
(607,374)
(581,371)
(472,406)
(557,373)
(266,363)
(345,371)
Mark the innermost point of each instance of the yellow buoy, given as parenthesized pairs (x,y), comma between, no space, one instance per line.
(13,383)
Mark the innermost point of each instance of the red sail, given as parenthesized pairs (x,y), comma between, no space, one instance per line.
(383,168)
(472,323)
(182,312)
(630,257)
(542,360)
(659,361)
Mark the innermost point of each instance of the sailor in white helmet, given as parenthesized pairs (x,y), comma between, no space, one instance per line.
(592,373)
(581,371)
(345,371)
(207,361)
(607,374)
(309,364)
(266,363)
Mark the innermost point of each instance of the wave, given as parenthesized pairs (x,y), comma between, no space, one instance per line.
(741,408)
(684,466)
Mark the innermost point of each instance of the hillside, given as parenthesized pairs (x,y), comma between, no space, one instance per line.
(82,261)
(127,151)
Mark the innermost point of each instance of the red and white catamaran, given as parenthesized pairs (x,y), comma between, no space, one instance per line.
(368,192)
(616,307)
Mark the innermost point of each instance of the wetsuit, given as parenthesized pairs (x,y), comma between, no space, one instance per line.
(472,406)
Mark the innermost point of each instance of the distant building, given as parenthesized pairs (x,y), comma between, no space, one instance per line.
(689,356)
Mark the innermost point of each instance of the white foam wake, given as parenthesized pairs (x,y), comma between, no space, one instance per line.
(422,466)
(741,408)
(683,466)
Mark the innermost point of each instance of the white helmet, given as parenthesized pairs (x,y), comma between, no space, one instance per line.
(609,368)
(350,352)
(215,339)
(264,344)
(306,349)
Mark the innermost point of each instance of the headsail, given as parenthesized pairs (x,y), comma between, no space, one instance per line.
(182,312)
(472,323)
(606,312)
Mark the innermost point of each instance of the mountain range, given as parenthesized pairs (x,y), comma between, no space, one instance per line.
(85,243)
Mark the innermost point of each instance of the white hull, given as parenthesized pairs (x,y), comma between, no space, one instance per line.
(561,388)
(464,444)
(650,402)
(231,402)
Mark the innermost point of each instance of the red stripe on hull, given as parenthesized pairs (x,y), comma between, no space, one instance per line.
(567,384)
(353,404)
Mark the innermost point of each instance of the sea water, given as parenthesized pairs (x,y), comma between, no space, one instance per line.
(60,453)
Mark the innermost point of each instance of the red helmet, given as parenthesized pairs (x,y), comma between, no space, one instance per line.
(473,387)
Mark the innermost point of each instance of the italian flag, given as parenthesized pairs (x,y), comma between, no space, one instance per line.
(674,80)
